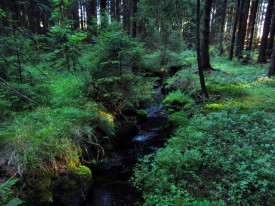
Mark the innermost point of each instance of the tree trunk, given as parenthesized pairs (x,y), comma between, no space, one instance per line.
(260,18)
(103,5)
(201,74)
(238,9)
(205,57)
(222,27)
(113,10)
(271,35)
(242,27)
(91,11)
(75,16)
(252,20)
(103,16)
(133,25)
(118,10)
(262,52)
(81,15)
(271,70)
(213,15)
(126,15)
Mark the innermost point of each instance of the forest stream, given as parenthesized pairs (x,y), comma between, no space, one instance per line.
(111,179)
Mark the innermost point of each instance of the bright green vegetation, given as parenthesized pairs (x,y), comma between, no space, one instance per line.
(77,78)
(52,122)
(177,100)
(222,151)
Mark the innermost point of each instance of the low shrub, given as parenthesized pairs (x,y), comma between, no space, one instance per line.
(178,119)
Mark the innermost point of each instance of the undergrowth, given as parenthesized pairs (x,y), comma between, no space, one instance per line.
(221,151)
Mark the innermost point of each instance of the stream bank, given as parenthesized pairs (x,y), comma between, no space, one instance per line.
(110,178)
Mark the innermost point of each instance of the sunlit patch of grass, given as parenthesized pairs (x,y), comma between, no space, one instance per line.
(215,106)
(234,85)
(240,86)
(228,89)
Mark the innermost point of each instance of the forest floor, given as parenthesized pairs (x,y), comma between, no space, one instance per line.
(221,152)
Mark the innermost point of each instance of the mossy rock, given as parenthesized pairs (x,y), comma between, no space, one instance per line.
(178,119)
(177,100)
(72,188)
(81,171)
(142,114)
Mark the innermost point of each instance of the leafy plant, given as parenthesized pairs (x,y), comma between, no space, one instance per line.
(7,195)
(223,158)
(176,100)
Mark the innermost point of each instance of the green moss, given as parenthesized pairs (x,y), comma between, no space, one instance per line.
(229,89)
(93,162)
(215,106)
(141,113)
(81,171)
(176,100)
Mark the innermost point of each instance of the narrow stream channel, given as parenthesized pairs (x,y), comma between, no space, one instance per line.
(110,186)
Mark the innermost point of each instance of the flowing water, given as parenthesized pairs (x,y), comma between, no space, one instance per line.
(110,186)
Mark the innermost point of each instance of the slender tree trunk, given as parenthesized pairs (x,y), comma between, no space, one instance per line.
(113,10)
(222,27)
(118,10)
(75,16)
(81,15)
(271,35)
(271,70)
(201,74)
(234,30)
(126,15)
(103,16)
(263,48)
(260,18)
(18,56)
(244,28)
(103,5)
(67,58)
(205,57)
(36,18)
(214,15)
(133,26)
(252,20)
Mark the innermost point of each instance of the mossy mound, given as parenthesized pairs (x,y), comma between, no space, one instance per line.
(81,171)
(176,100)
(72,188)
(142,114)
